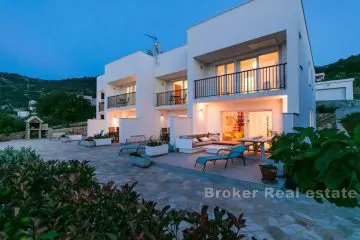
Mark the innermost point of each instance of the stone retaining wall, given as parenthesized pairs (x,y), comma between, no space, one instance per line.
(13,136)
(340,103)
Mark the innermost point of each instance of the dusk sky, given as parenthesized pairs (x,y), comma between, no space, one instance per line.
(72,38)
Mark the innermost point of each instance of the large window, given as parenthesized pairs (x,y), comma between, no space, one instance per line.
(255,74)
(237,125)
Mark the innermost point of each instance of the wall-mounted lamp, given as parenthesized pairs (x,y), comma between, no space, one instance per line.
(201,110)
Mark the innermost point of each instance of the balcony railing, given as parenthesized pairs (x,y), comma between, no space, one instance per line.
(122,100)
(171,97)
(254,80)
(101,106)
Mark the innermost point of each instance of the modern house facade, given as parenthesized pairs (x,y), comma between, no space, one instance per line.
(246,72)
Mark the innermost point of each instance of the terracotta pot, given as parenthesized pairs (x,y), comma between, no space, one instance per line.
(268,174)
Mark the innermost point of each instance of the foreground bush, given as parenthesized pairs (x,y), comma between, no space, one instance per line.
(11,155)
(63,200)
(350,121)
(320,160)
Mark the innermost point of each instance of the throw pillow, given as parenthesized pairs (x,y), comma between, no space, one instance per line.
(195,140)
(204,139)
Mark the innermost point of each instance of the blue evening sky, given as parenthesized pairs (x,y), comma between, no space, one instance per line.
(54,39)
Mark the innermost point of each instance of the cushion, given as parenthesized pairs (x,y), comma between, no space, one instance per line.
(204,139)
(195,140)
(213,138)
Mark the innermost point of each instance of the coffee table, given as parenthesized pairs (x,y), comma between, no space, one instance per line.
(213,149)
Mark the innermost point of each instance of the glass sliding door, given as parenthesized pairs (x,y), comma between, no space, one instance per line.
(238,124)
(247,78)
(268,72)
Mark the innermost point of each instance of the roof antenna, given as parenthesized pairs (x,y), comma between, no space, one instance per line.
(156,47)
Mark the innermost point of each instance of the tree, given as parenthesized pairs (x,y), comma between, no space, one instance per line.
(10,123)
(58,108)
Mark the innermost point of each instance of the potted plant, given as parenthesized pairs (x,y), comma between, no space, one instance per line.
(102,140)
(268,172)
(139,160)
(156,148)
(88,142)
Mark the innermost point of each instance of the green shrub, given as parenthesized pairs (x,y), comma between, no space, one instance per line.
(154,143)
(320,160)
(325,109)
(63,200)
(10,155)
(10,123)
(101,136)
(350,121)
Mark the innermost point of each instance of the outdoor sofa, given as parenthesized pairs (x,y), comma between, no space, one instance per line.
(195,143)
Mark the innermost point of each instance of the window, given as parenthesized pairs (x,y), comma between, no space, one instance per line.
(130,88)
(102,96)
(311,118)
(311,77)
(257,73)
(102,117)
(225,78)
(248,75)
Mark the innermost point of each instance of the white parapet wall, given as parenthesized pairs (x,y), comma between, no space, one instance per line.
(95,126)
(135,126)
(179,126)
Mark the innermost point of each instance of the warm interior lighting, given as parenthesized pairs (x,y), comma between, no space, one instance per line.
(254,65)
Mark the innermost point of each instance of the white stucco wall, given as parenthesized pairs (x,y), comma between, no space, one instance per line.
(140,67)
(171,62)
(179,126)
(327,90)
(95,126)
(134,126)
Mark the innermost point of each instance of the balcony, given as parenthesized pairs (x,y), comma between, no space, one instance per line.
(249,81)
(170,98)
(101,106)
(122,100)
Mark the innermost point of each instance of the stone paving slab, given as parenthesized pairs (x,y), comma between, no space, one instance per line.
(266,218)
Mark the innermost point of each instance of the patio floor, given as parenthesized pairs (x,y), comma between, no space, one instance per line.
(248,175)
(266,218)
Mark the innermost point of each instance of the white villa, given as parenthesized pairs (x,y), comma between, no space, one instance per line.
(246,72)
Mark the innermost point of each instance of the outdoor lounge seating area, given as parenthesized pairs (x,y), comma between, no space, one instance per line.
(197,142)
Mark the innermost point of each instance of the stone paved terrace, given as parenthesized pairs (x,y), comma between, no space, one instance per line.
(266,218)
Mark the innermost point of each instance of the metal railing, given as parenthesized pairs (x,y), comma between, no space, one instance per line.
(171,97)
(122,100)
(101,106)
(254,80)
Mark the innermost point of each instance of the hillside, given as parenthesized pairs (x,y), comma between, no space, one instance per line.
(344,68)
(16,90)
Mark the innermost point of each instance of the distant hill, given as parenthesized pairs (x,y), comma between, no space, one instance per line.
(16,90)
(344,68)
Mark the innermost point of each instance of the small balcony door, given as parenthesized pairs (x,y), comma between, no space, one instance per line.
(225,78)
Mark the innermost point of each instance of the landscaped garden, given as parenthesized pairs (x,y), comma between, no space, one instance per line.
(322,160)
(63,200)
(52,199)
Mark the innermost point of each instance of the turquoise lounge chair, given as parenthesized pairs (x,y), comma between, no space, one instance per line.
(236,152)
